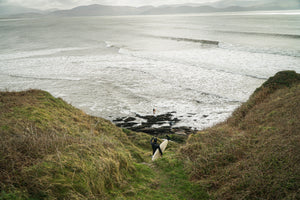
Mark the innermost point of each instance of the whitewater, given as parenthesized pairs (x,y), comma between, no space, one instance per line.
(201,67)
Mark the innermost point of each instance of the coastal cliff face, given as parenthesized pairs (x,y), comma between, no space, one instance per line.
(255,153)
(51,150)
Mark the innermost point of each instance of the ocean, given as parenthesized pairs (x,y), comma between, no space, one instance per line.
(201,66)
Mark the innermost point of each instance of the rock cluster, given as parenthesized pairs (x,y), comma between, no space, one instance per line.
(154,124)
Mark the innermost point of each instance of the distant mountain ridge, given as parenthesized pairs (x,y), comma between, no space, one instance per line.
(96,9)
(12,10)
(102,10)
(105,10)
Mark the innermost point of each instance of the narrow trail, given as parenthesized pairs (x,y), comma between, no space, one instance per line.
(164,178)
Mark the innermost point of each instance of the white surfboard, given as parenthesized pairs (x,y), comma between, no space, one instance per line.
(162,146)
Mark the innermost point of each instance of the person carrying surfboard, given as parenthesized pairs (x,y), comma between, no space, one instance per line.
(155,145)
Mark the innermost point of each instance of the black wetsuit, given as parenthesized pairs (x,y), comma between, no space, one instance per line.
(155,146)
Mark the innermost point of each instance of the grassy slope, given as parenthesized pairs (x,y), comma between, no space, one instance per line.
(51,150)
(256,153)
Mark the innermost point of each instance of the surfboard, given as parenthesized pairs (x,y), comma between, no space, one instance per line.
(162,146)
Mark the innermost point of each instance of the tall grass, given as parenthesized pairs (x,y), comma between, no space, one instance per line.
(256,153)
(50,150)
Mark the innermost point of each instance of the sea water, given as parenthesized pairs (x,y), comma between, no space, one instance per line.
(201,67)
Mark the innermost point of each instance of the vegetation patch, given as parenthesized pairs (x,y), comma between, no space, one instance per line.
(254,154)
(51,150)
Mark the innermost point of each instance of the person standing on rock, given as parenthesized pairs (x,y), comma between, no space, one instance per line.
(155,145)
(154,111)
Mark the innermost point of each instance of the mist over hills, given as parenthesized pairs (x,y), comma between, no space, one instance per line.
(102,10)
(105,10)
(95,10)
(12,10)
(268,4)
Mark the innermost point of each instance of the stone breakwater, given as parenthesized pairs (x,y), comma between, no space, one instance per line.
(155,125)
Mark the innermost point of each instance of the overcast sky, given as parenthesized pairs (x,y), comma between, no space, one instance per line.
(66,4)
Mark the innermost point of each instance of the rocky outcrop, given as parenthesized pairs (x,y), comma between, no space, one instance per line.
(154,124)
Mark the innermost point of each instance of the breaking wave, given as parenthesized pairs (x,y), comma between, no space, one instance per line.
(294,36)
(182,39)
(43,78)
(209,42)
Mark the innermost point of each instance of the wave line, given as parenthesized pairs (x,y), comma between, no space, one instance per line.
(181,39)
(263,34)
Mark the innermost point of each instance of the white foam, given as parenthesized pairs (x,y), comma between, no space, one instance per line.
(135,73)
(187,81)
(108,44)
(260,65)
(116,85)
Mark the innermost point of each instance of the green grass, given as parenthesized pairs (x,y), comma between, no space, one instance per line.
(163,179)
(51,150)
(254,154)
(175,182)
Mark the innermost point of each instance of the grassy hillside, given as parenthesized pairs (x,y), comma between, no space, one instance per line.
(51,150)
(255,154)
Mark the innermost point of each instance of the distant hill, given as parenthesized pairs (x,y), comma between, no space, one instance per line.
(278,6)
(97,10)
(180,9)
(101,10)
(250,4)
(14,10)
(104,10)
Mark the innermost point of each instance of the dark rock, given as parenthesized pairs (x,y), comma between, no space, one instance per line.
(185,129)
(139,116)
(154,131)
(126,124)
(119,119)
(176,120)
(129,119)
(158,120)
(204,116)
